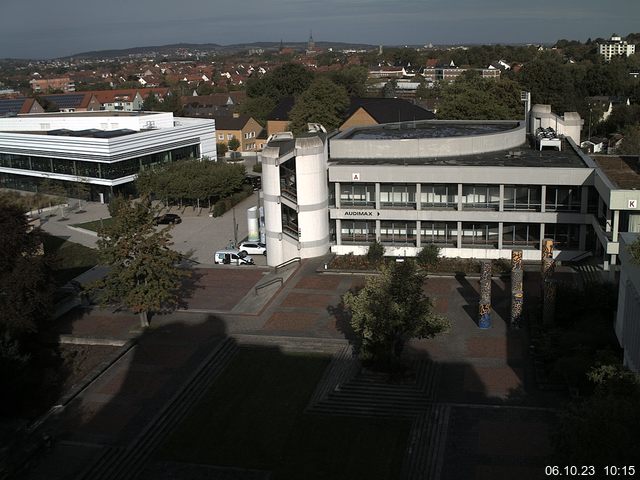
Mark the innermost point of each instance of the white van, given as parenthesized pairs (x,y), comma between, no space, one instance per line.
(232,257)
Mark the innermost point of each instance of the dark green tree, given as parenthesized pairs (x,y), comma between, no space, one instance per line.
(26,301)
(323,102)
(631,141)
(602,429)
(284,81)
(388,311)
(258,108)
(234,144)
(143,273)
(353,79)
(221,149)
(428,256)
(375,253)
(474,98)
(151,103)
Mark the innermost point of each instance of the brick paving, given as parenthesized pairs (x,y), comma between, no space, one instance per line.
(477,366)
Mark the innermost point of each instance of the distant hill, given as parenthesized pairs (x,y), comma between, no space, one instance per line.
(211,47)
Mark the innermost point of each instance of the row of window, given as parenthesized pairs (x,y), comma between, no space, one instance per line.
(516,197)
(445,234)
(104,170)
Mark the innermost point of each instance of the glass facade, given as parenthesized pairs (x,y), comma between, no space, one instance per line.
(398,233)
(481,196)
(563,199)
(522,197)
(438,196)
(484,235)
(522,235)
(355,231)
(398,195)
(105,170)
(565,236)
(358,195)
(443,234)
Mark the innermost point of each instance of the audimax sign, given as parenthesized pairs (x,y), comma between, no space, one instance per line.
(361,213)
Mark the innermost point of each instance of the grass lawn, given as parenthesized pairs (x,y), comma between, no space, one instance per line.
(71,259)
(253,418)
(95,225)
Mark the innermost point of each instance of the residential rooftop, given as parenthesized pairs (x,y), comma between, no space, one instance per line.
(624,172)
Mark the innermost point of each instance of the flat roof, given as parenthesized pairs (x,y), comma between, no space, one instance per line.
(100,113)
(523,156)
(428,129)
(624,172)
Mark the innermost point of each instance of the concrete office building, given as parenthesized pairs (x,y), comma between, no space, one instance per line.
(477,189)
(627,324)
(105,150)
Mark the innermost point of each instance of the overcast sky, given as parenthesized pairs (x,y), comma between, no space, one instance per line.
(46,29)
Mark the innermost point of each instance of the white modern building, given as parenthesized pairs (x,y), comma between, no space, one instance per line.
(103,149)
(476,189)
(615,47)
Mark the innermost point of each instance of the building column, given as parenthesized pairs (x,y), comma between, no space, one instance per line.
(543,198)
(459,197)
(377,202)
(418,196)
(500,230)
(377,230)
(582,238)
(338,231)
(584,200)
(541,236)
(459,240)
(616,224)
(418,236)
(337,194)
(608,224)
(501,208)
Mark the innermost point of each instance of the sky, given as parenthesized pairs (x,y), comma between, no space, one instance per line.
(46,29)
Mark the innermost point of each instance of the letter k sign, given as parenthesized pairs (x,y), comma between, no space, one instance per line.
(632,204)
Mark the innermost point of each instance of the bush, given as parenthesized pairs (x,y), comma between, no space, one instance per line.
(114,205)
(225,204)
(428,256)
(375,254)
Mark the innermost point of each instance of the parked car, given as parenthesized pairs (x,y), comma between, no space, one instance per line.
(254,248)
(232,257)
(167,219)
(255,182)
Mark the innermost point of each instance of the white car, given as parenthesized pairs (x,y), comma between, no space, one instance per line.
(253,248)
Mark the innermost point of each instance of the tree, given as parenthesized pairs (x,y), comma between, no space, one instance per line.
(428,255)
(471,97)
(631,141)
(25,286)
(258,108)
(323,102)
(602,429)
(151,103)
(143,274)
(375,253)
(221,149)
(234,144)
(353,79)
(388,311)
(284,81)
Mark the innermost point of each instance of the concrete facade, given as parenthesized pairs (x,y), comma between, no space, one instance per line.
(475,189)
(627,324)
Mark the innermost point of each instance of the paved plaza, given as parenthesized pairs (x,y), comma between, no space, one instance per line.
(483,379)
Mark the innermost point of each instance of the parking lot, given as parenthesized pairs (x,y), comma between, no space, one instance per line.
(197,234)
